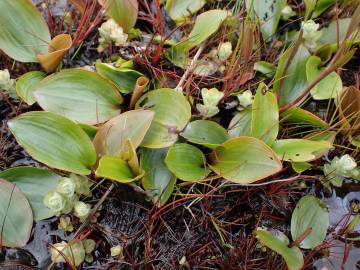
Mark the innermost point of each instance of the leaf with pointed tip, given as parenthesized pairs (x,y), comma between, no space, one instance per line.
(278,242)
(244,160)
(205,132)
(265,116)
(80,95)
(54,140)
(16,218)
(34,183)
(301,116)
(114,168)
(310,212)
(112,136)
(300,150)
(26,85)
(158,180)
(172,113)
(23,33)
(187,162)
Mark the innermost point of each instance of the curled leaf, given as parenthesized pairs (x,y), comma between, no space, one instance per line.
(58,47)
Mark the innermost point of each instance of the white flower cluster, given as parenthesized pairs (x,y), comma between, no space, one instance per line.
(211,98)
(311,33)
(75,252)
(65,197)
(7,84)
(341,168)
(111,33)
(246,99)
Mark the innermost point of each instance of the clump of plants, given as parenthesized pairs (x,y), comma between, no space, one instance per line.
(116,123)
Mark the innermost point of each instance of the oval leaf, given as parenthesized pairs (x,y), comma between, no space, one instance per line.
(55,141)
(34,183)
(112,136)
(300,150)
(278,242)
(16,217)
(244,160)
(158,181)
(23,33)
(205,132)
(26,84)
(327,88)
(124,78)
(79,95)
(187,162)
(172,113)
(265,116)
(116,169)
(310,212)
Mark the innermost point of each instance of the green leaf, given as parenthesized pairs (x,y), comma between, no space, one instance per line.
(116,169)
(111,138)
(187,162)
(16,217)
(266,68)
(34,183)
(158,181)
(206,24)
(124,12)
(123,78)
(278,242)
(323,135)
(23,33)
(310,212)
(300,167)
(178,10)
(205,132)
(89,130)
(294,81)
(26,84)
(240,125)
(55,141)
(309,8)
(80,95)
(301,116)
(327,88)
(269,14)
(265,116)
(300,150)
(172,113)
(335,32)
(244,160)
(321,6)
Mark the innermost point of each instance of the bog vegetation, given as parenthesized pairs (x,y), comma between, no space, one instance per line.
(180,94)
